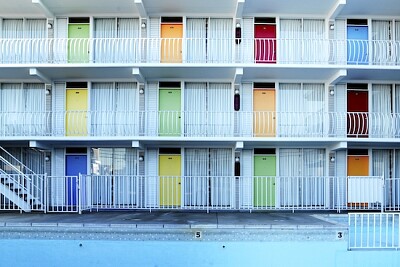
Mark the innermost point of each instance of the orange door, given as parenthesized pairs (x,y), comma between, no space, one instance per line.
(171,43)
(358,187)
(264,122)
(357,166)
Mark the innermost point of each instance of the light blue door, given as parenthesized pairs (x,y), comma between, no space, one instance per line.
(357,44)
(75,164)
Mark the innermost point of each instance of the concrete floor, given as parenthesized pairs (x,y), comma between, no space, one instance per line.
(162,219)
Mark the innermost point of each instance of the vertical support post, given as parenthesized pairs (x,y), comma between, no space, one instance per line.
(79,193)
(45,194)
(383,193)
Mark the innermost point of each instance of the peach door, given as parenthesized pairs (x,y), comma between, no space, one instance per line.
(171,43)
(264,115)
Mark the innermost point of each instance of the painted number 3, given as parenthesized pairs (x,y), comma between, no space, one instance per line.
(339,235)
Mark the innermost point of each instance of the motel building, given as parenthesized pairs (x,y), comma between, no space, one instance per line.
(241,105)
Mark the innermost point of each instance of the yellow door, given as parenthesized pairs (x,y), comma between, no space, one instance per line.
(76,112)
(171,43)
(170,180)
(264,112)
(357,166)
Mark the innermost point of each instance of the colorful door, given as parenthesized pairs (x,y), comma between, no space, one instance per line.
(357,113)
(264,116)
(171,43)
(357,44)
(170,180)
(75,165)
(264,180)
(78,43)
(358,187)
(169,112)
(76,112)
(265,43)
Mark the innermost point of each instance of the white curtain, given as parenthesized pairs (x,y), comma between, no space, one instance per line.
(381,46)
(381,165)
(196,33)
(12,33)
(36,50)
(301,109)
(114,109)
(395,185)
(196,176)
(300,39)
(13,29)
(116,40)
(221,172)
(114,172)
(301,172)
(380,119)
(102,109)
(220,107)
(104,33)
(397,43)
(128,44)
(290,41)
(220,41)
(315,48)
(35,106)
(127,117)
(195,109)
(12,107)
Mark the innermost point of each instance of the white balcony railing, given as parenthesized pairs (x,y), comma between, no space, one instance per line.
(199,50)
(201,124)
(95,192)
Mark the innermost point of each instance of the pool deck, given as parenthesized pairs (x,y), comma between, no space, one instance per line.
(157,225)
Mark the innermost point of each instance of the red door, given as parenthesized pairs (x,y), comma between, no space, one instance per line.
(357,113)
(265,43)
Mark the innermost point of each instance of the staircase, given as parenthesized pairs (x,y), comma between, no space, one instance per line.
(19,185)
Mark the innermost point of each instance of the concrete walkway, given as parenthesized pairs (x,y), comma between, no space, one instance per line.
(176,219)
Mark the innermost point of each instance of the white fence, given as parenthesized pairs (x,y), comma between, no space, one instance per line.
(201,124)
(99,192)
(374,230)
(199,50)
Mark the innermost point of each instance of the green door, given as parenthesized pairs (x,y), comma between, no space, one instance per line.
(169,112)
(264,180)
(78,43)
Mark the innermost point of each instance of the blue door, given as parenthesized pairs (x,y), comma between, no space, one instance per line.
(75,164)
(357,44)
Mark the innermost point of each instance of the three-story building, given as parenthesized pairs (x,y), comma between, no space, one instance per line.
(229,104)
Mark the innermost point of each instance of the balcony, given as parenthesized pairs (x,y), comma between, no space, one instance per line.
(201,124)
(199,51)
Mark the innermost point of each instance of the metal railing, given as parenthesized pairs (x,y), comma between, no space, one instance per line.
(201,124)
(102,192)
(374,231)
(23,192)
(199,51)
